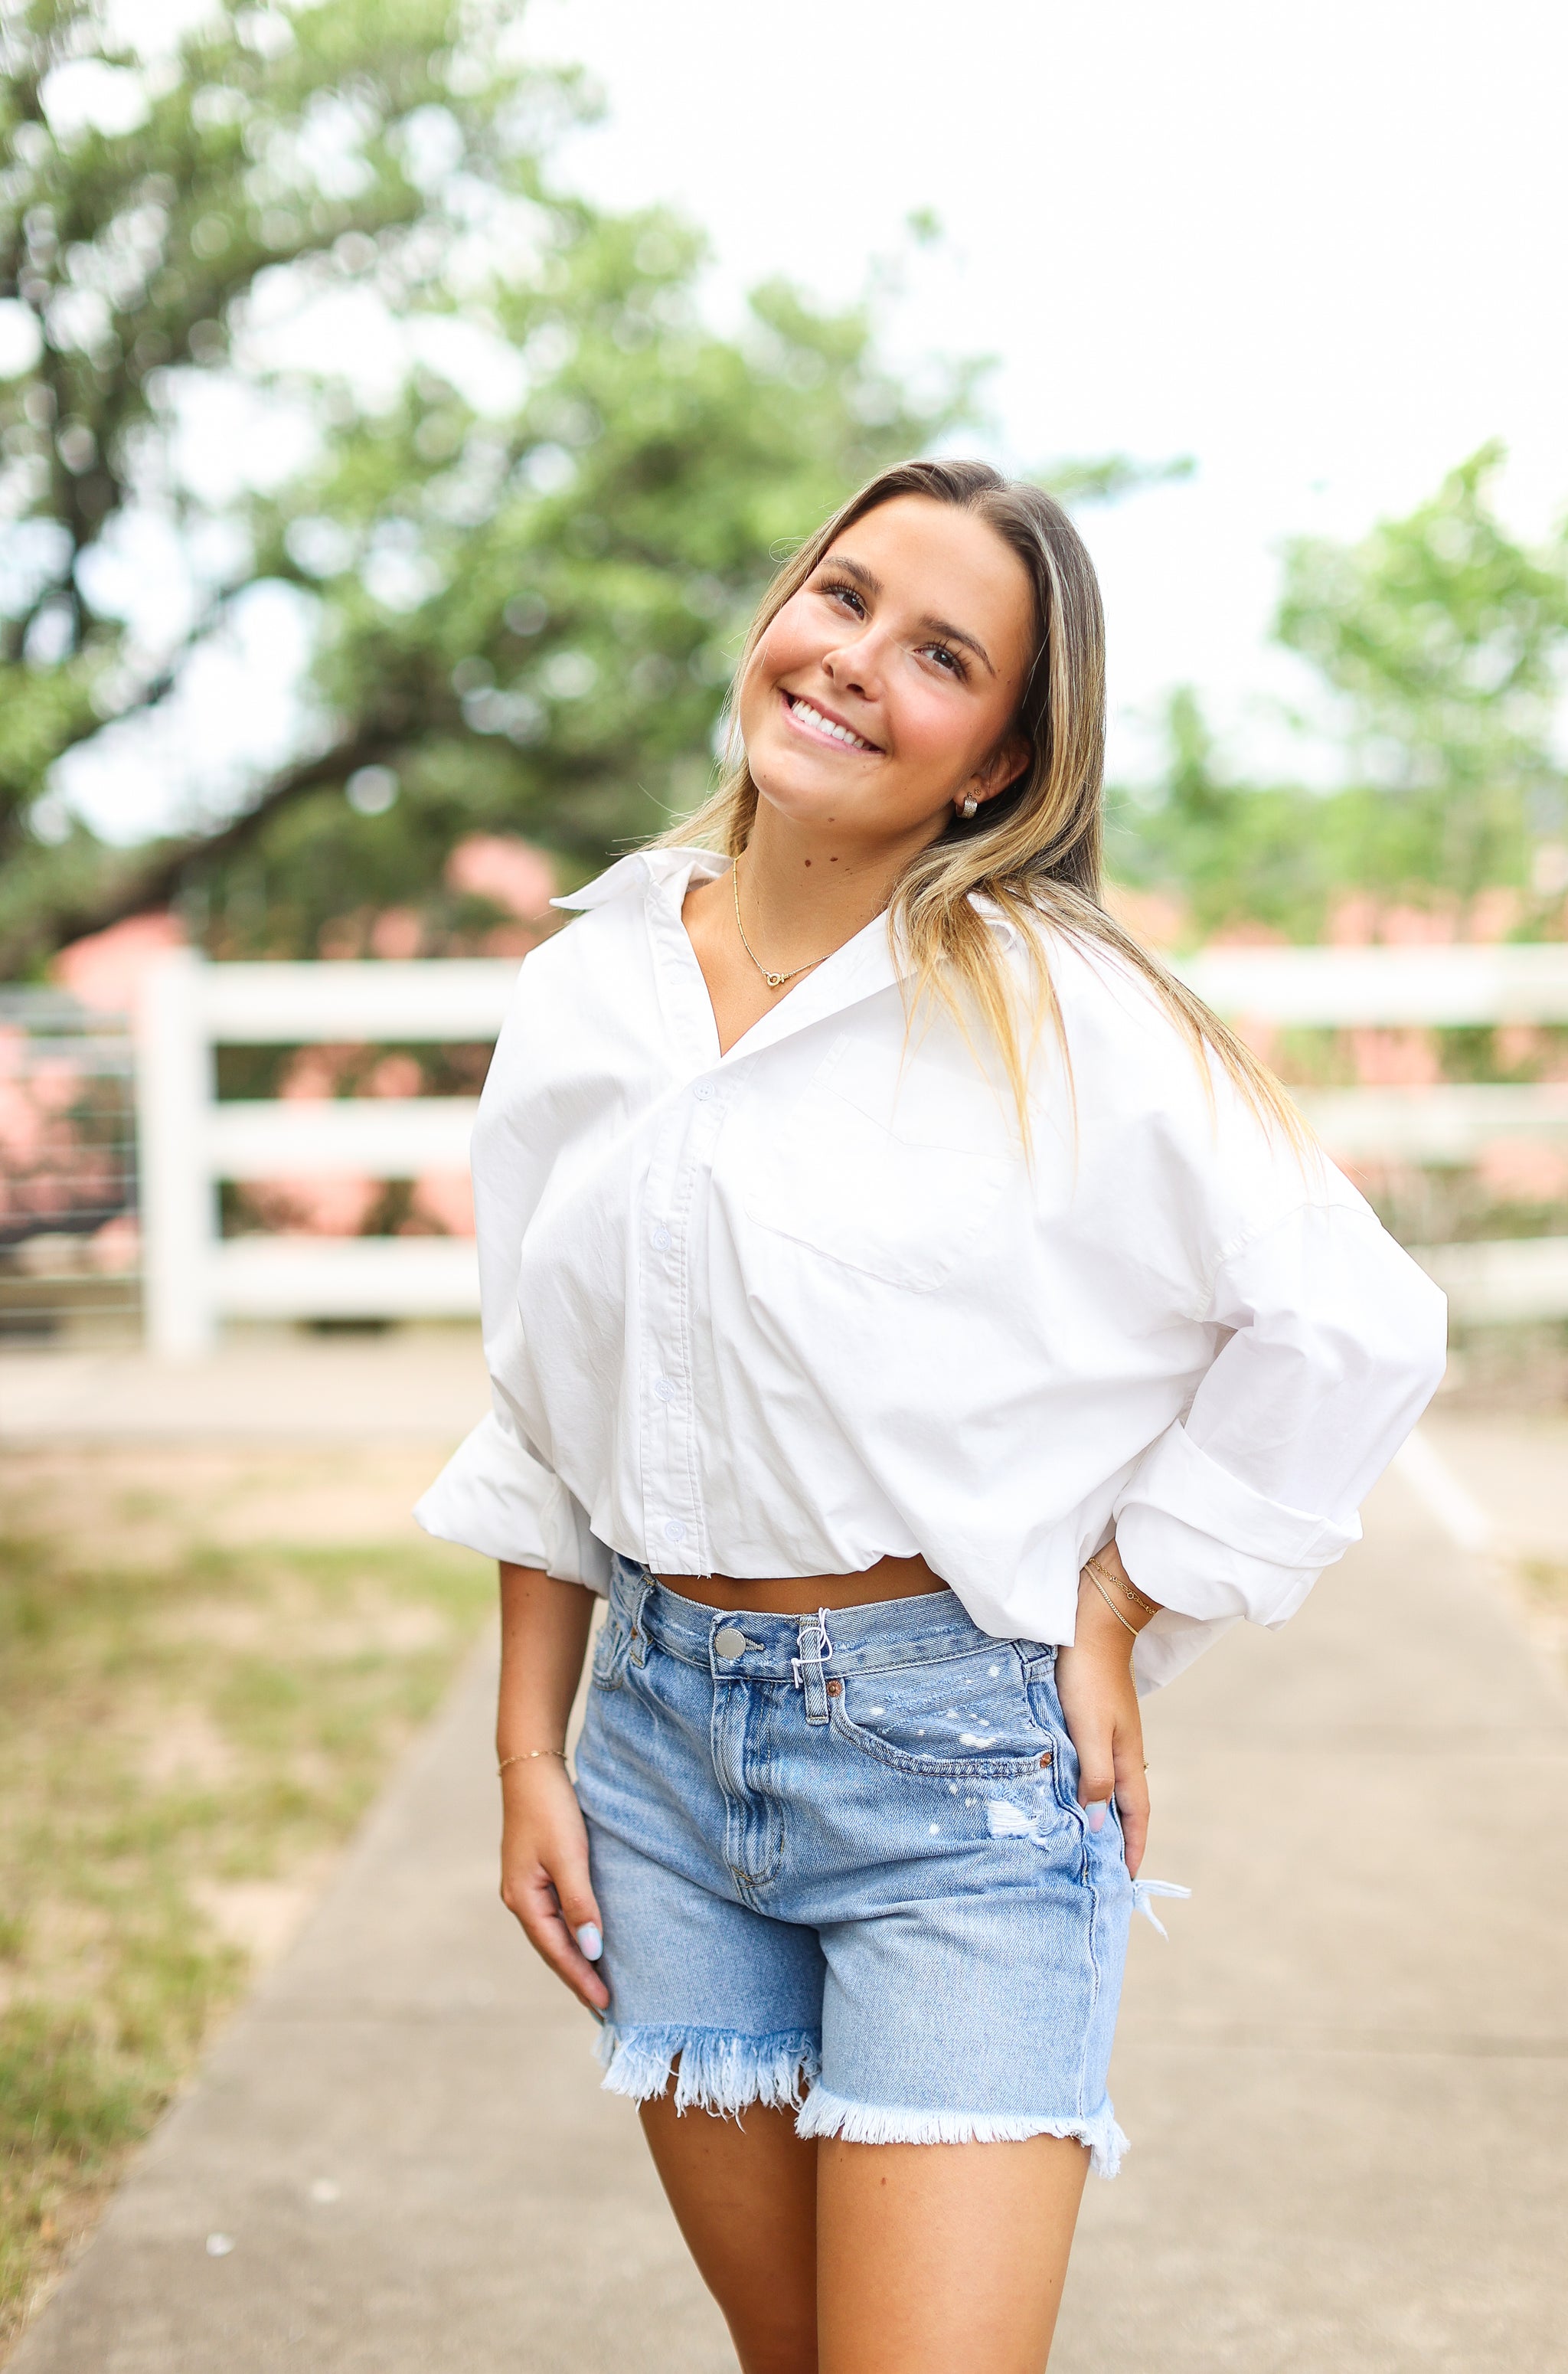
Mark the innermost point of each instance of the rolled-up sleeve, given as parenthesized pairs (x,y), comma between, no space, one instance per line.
(1336,1345)
(493,1496)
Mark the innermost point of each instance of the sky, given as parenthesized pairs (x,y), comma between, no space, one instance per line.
(1315,249)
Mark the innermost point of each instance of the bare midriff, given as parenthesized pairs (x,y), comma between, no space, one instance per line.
(891,1578)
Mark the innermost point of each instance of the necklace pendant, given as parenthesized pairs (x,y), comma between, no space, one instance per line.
(774,980)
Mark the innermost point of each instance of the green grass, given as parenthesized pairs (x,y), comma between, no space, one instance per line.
(168,1729)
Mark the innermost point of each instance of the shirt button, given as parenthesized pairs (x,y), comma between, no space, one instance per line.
(674,1530)
(730,1640)
(703,1091)
(663,1389)
(662,1240)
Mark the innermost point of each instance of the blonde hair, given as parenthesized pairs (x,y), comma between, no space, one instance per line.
(1035,851)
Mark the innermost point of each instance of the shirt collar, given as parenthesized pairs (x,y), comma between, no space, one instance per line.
(644,869)
(862,967)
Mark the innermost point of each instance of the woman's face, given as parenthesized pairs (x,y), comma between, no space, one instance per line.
(886,687)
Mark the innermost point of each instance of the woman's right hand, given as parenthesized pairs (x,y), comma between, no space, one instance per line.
(545,1879)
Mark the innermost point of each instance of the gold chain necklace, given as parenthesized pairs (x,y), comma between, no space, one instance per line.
(774,980)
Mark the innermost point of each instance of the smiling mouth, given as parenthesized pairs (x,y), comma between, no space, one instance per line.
(812,719)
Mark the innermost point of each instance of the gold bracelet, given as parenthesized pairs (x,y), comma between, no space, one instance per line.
(527,1754)
(1110,1603)
(1150,1606)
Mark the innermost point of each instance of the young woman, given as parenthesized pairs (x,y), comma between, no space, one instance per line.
(921,1316)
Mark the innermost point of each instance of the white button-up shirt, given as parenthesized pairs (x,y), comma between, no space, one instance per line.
(810,1303)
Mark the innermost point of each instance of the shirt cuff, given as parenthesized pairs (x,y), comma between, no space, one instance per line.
(494,1496)
(1204,1543)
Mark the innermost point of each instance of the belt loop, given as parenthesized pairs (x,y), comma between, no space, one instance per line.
(815,1648)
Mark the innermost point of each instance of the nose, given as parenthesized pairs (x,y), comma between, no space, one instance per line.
(854,665)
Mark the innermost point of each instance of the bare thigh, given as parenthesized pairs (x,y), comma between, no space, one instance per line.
(931,2256)
(743,2192)
(871,2258)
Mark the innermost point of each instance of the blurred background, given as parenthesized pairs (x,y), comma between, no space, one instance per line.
(402,411)
(401,405)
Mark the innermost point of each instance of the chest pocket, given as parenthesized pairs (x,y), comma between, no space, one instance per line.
(891,1169)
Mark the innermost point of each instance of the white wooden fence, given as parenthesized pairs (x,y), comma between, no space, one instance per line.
(189,1142)
(191,1277)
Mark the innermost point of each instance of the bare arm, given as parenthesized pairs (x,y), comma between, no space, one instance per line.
(1095,1682)
(544,1881)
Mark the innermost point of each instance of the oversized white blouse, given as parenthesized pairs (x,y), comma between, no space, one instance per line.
(796,1308)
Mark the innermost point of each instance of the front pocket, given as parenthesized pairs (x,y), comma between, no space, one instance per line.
(937,1767)
(960,1719)
(894,1176)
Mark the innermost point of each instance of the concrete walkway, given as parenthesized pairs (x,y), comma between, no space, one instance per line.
(261,1384)
(1346,2077)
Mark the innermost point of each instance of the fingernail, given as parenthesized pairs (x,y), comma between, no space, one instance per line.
(592,1945)
(1096,1814)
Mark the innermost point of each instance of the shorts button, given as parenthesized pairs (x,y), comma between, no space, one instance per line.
(674,1530)
(836,1689)
(728,1640)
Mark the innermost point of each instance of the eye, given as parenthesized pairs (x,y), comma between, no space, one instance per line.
(947,659)
(838,589)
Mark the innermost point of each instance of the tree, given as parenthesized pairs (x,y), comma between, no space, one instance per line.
(522,620)
(1445,639)
(528,622)
(1441,641)
(269,142)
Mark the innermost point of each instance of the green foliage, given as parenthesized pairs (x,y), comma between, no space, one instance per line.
(1445,641)
(525,614)
(533,619)
(299,142)
(1445,638)
(530,617)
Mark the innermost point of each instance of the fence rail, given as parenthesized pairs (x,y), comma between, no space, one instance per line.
(1389,988)
(384,1137)
(190,1142)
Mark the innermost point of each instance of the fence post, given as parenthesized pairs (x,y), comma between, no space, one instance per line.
(179,1202)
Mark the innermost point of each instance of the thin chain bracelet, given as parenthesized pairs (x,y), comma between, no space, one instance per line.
(1110,1603)
(527,1754)
(1148,1606)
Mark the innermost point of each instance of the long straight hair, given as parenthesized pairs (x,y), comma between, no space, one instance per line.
(1034,853)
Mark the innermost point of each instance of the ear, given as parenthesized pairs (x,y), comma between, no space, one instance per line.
(1003,768)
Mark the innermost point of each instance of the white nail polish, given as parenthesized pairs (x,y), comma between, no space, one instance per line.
(1096,1813)
(590,1940)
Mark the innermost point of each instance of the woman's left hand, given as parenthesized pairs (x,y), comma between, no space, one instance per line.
(1094,1684)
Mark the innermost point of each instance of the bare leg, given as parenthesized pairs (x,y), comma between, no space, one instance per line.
(744,2196)
(939,2255)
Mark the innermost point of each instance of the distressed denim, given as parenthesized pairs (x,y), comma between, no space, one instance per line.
(841,1867)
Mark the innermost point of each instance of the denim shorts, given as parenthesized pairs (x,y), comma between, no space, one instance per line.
(841,1868)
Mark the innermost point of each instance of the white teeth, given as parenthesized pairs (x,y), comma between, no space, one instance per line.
(826,725)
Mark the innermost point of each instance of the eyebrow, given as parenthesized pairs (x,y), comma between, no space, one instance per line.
(872,585)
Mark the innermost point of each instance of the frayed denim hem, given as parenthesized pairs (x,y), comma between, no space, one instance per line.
(878,2123)
(719,2071)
